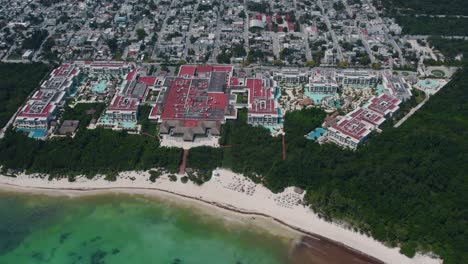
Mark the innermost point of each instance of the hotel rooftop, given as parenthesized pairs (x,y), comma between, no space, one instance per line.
(384,104)
(357,125)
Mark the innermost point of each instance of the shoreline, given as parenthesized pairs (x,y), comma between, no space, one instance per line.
(134,191)
(306,223)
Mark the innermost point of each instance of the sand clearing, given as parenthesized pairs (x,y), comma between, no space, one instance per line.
(227,190)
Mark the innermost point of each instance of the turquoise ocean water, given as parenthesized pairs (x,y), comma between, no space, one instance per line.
(126,229)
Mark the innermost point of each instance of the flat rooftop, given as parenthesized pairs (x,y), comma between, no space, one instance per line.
(398,87)
(367,115)
(198,93)
(353,127)
(195,70)
(384,104)
(36,109)
(191,99)
(261,98)
(121,103)
(65,70)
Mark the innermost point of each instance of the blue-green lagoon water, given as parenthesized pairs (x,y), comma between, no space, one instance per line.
(126,229)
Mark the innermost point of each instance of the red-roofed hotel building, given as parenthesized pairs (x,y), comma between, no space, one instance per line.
(354,129)
(195,102)
(43,106)
(122,112)
(201,98)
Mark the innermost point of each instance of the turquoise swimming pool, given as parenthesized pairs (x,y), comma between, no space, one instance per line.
(316,133)
(429,84)
(277,93)
(105,120)
(317,98)
(334,103)
(100,87)
(379,89)
(34,133)
(128,125)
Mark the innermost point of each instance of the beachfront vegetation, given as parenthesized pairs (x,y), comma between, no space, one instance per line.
(154,174)
(172,178)
(17,81)
(91,152)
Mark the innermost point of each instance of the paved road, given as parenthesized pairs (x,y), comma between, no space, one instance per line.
(411,112)
(216,48)
(188,44)
(8,124)
(246,27)
(387,32)
(368,49)
(332,32)
(161,33)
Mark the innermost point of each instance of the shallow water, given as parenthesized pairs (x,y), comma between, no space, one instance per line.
(126,229)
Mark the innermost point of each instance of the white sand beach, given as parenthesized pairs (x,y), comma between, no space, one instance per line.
(227,190)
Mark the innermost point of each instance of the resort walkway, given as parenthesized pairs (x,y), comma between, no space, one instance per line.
(411,112)
(284,148)
(183,163)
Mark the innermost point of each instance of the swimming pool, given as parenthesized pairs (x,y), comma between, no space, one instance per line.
(100,87)
(34,133)
(317,97)
(334,103)
(429,86)
(128,125)
(316,133)
(277,93)
(379,89)
(105,120)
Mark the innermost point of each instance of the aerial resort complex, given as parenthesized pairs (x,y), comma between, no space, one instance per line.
(191,105)
(224,131)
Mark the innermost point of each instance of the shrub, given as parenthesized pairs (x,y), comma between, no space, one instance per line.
(154,174)
(172,178)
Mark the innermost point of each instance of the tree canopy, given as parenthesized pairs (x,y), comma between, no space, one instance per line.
(14,87)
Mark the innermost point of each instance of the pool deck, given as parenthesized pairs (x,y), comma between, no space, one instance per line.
(316,133)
